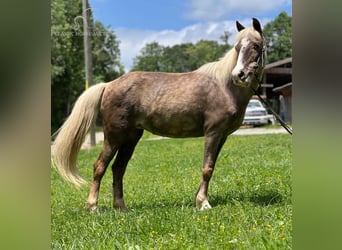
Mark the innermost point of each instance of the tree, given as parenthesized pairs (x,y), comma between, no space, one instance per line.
(178,58)
(67,57)
(226,35)
(106,54)
(205,51)
(278,34)
(150,58)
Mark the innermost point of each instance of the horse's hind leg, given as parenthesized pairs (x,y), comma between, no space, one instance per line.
(119,167)
(100,167)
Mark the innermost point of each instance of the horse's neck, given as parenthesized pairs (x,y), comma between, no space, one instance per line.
(240,95)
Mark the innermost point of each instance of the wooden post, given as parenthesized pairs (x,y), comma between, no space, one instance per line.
(88,58)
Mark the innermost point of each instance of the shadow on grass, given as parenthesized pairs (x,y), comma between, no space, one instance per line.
(160,204)
(144,205)
(265,198)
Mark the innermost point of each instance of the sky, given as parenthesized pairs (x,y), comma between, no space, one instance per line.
(170,22)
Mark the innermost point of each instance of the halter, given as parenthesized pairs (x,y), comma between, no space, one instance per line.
(261,59)
(261,63)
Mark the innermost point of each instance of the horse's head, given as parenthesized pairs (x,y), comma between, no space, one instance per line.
(251,49)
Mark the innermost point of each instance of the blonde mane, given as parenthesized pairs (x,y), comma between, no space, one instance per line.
(222,68)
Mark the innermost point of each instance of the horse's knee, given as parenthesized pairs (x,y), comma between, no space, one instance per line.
(99,169)
(207,172)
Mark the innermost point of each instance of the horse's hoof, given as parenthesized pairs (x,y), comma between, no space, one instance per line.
(119,205)
(121,209)
(91,207)
(205,206)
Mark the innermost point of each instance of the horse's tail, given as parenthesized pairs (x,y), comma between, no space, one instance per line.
(72,134)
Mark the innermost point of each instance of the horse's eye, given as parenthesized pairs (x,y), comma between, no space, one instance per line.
(256,46)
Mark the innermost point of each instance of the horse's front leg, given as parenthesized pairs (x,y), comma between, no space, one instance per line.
(212,147)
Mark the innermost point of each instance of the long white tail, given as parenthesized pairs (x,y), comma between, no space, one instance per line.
(72,134)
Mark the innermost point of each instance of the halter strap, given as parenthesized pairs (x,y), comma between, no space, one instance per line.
(261,63)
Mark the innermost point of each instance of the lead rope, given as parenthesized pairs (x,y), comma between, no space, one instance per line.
(283,124)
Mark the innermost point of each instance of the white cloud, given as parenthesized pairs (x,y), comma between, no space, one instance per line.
(217,9)
(132,41)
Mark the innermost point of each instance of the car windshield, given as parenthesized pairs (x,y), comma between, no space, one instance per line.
(254,104)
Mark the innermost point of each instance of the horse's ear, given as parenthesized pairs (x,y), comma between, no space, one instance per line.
(257,25)
(239,26)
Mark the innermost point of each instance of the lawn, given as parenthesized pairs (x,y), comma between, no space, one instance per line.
(250,193)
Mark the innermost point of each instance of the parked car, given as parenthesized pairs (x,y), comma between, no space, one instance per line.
(256,114)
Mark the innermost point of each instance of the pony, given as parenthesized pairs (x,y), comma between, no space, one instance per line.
(209,102)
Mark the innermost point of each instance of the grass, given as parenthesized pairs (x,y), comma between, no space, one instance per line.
(250,193)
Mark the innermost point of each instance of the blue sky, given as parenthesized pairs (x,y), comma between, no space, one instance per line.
(169,22)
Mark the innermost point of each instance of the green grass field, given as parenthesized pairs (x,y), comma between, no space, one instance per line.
(250,193)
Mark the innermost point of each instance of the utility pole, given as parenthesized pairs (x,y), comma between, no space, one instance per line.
(88,59)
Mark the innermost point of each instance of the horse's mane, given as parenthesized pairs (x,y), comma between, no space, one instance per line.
(222,68)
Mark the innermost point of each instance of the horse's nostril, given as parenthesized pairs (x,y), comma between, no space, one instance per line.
(241,75)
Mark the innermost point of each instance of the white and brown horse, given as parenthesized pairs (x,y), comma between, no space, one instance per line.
(209,102)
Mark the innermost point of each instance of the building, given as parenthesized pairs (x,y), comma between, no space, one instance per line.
(277,87)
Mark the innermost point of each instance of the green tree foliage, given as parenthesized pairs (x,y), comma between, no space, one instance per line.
(178,58)
(205,51)
(278,34)
(224,38)
(67,57)
(106,54)
(151,58)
